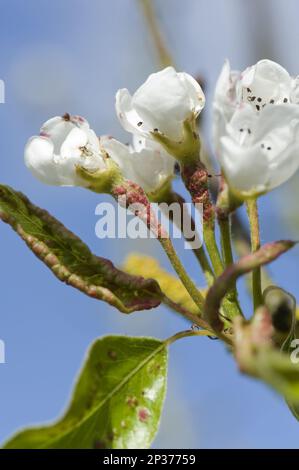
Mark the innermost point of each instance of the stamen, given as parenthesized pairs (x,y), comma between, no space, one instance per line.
(271,101)
(139,123)
(259,99)
(285,100)
(257,107)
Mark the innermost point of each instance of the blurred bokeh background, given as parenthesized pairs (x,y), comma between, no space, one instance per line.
(70,55)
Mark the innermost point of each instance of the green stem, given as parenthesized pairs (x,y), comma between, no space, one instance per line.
(185,334)
(252,212)
(231,300)
(200,253)
(181,272)
(227,253)
(212,247)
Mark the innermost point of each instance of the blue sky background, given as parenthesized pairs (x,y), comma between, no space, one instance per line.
(69,55)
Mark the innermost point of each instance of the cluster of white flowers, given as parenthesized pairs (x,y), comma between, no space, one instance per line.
(255,123)
(256,126)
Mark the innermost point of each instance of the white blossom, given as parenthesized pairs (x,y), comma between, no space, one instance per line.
(144,162)
(256,126)
(162,103)
(64,144)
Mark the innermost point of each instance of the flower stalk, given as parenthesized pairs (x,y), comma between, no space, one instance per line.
(132,196)
(200,253)
(252,212)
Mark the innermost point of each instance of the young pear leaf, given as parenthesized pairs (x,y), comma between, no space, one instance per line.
(266,254)
(70,259)
(117,401)
(277,369)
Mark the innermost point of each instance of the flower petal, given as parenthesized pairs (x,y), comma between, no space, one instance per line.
(194,92)
(39,159)
(162,102)
(266,82)
(128,117)
(245,168)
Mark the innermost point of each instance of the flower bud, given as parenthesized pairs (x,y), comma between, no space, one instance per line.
(164,109)
(144,162)
(67,153)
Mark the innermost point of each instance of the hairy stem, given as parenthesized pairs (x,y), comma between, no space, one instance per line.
(252,212)
(227,253)
(212,247)
(200,253)
(181,272)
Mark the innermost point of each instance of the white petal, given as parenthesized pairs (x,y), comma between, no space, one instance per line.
(245,168)
(57,129)
(272,117)
(152,168)
(224,103)
(147,167)
(162,102)
(128,116)
(194,92)
(39,158)
(71,147)
(264,82)
(119,153)
(243,124)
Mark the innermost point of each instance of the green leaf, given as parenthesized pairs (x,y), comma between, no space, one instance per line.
(70,259)
(117,401)
(266,254)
